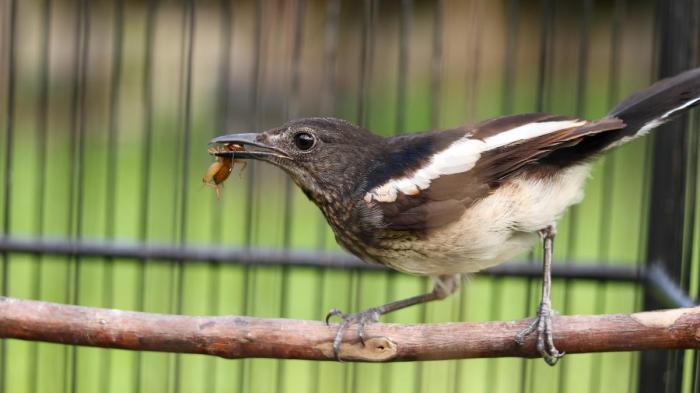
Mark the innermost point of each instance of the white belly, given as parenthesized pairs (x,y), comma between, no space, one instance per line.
(496,228)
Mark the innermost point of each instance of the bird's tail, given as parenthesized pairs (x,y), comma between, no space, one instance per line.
(663,101)
(641,112)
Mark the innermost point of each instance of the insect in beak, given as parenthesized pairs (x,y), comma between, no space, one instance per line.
(221,168)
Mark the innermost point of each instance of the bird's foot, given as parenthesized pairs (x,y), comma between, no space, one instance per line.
(542,324)
(362,318)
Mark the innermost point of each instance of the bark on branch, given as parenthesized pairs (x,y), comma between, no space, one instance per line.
(245,337)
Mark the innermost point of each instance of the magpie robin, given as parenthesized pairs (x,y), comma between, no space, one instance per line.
(445,203)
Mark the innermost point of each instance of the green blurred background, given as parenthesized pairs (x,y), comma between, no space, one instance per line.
(114,104)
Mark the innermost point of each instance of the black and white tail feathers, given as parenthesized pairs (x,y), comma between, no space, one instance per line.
(641,112)
(664,100)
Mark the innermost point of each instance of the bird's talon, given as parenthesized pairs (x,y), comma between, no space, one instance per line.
(368,316)
(361,319)
(333,312)
(361,333)
(554,358)
(520,340)
(542,324)
(520,337)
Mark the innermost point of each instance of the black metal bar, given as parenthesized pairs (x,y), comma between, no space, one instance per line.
(76,198)
(666,292)
(544,71)
(277,257)
(9,137)
(364,112)
(255,121)
(40,185)
(402,66)
(292,111)
(476,46)
(111,171)
(187,55)
(507,105)
(668,191)
(292,104)
(146,152)
(475,18)
(582,78)
(223,98)
(436,59)
(436,65)
(328,108)
(328,104)
(330,57)
(695,122)
(365,65)
(609,177)
(512,17)
(405,15)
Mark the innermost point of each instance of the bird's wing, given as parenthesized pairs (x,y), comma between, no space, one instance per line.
(468,169)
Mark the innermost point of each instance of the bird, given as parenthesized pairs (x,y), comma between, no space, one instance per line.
(446,203)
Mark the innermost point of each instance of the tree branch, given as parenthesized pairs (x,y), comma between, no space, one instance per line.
(244,337)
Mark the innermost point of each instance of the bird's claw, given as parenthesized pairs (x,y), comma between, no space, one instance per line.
(333,312)
(542,324)
(362,318)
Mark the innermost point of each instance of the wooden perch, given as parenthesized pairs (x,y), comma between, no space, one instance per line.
(246,337)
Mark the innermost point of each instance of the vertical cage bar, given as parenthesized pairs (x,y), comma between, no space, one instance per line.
(254,121)
(436,65)
(223,95)
(146,152)
(9,137)
(329,93)
(328,108)
(513,15)
(111,170)
(695,378)
(608,183)
(668,190)
(41,149)
(366,53)
(435,91)
(292,111)
(405,16)
(474,53)
(402,66)
(364,112)
(545,56)
(644,233)
(254,118)
(77,169)
(512,26)
(580,107)
(687,269)
(188,26)
(476,45)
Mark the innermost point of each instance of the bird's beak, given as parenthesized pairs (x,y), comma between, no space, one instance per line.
(252,147)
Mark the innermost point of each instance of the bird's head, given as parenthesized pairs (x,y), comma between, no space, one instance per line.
(322,155)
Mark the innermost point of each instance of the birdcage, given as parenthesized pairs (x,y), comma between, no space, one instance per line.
(106,108)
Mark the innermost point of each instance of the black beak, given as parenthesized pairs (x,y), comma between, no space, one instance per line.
(252,147)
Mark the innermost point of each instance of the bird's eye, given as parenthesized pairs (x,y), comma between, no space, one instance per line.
(304,141)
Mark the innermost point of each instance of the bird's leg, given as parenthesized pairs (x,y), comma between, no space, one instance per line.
(443,286)
(542,323)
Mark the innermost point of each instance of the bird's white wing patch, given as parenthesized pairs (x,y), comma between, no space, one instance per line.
(461,156)
(528,131)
